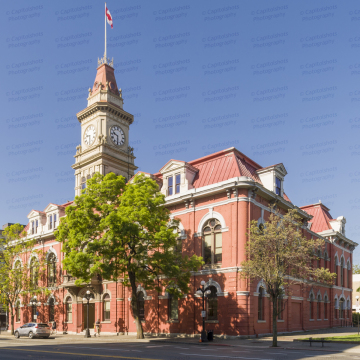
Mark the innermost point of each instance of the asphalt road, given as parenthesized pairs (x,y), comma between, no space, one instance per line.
(157,351)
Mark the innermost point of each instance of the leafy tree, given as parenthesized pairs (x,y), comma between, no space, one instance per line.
(356,269)
(278,253)
(119,230)
(14,269)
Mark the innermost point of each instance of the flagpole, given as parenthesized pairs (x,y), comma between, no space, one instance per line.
(105,37)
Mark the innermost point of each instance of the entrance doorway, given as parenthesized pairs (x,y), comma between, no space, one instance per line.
(91,315)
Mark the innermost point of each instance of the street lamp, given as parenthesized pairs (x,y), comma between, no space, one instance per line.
(87,298)
(202,292)
(358,310)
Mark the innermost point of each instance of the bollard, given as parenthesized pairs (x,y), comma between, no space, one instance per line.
(322,340)
(310,341)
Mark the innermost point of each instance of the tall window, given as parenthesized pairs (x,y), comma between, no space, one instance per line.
(68,309)
(212,242)
(50,222)
(318,307)
(34,268)
(341,309)
(106,307)
(325,307)
(33,227)
(173,308)
(51,270)
(55,221)
(319,259)
(36,226)
(17,273)
(336,271)
(177,183)
(336,308)
(261,304)
(33,312)
(278,186)
(51,310)
(349,275)
(311,306)
(141,305)
(17,311)
(83,183)
(342,272)
(170,185)
(212,304)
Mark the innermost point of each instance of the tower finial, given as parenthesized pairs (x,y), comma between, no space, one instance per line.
(105,59)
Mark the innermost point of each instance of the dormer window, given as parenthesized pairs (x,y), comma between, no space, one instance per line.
(33,227)
(54,221)
(170,185)
(277,186)
(36,226)
(50,222)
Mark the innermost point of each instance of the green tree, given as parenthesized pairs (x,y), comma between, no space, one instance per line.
(15,278)
(278,253)
(119,230)
(356,269)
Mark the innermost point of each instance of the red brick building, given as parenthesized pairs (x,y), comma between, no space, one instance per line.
(215,198)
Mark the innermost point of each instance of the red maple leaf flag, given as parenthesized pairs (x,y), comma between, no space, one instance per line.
(108,17)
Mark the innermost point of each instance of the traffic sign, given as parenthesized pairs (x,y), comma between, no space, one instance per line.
(203,314)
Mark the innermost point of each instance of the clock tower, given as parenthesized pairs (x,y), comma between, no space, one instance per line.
(104,131)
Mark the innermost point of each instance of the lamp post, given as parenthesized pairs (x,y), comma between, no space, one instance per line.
(87,298)
(202,292)
(358,311)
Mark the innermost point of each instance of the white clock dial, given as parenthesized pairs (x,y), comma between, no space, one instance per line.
(89,135)
(117,135)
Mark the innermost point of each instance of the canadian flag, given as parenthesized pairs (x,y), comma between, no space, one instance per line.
(108,17)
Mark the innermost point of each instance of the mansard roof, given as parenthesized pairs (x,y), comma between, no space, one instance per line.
(321,217)
(105,74)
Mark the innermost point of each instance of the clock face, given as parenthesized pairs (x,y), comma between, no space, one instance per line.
(117,135)
(89,135)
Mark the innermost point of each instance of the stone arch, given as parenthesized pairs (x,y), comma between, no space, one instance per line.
(211,282)
(106,292)
(66,296)
(348,264)
(180,227)
(336,302)
(212,215)
(260,284)
(52,251)
(326,297)
(17,258)
(311,294)
(32,255)
(52,296)
(317,295)
(141,289)
(336,257)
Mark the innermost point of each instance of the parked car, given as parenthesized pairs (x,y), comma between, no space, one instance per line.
(33,330)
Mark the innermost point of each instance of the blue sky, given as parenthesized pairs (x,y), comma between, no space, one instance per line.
(278,80)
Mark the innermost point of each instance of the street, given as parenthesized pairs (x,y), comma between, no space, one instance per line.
(109,349)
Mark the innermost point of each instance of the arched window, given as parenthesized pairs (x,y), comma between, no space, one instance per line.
(17,311)
(335,308)
(311,310)
(341,308)
(212,242)
(106,307)
(51,270)
(336,270)
(173,307)
(318,307)
(325,307)
(212,304)
(68,309)
(51,310)
(349,274)
(34,272)
(141,305)
(342,272)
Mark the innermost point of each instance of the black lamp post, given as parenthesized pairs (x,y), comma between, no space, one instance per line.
(202,292)
(358,311)
(87,298)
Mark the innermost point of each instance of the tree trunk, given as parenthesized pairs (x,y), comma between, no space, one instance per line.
(12,323)
(274,315)
(134,307)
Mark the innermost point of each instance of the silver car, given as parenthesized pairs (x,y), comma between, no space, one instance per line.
(33,330)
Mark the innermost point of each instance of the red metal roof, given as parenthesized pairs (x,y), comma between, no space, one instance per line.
(321,217)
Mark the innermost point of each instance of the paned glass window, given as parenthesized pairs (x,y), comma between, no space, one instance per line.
(177,183)
(212,304)
(173,308)
(51,310)
(325,307)
(34,269)
(311,309)
(141,305)
(212,242)
(261,304)
(68,306)
(278,186)
(106,303)
(51,270)
(318,307)
(170,185)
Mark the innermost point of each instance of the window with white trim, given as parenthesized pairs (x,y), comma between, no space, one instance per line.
(212,234)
